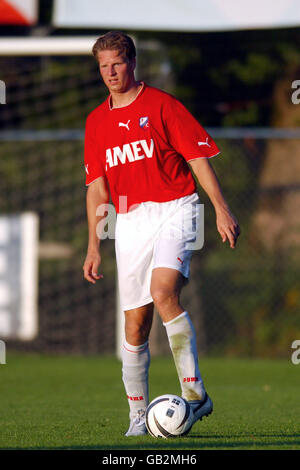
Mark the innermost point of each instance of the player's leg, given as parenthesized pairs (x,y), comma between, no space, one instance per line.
(134,259)
(135,365)
(166,287)
(138,322)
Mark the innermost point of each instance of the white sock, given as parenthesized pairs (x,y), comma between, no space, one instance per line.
(136,362)
(182,340)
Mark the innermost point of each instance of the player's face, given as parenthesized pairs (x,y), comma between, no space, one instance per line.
(116,71)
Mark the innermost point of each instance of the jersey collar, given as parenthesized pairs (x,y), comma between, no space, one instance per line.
(139,93)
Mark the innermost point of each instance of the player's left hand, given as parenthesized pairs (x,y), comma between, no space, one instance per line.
(228,227)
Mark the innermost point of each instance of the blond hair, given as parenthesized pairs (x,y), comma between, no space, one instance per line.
(115,41)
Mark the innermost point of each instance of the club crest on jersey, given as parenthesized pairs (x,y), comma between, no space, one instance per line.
(144,122)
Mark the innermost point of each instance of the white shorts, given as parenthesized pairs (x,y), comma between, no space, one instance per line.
(155,234)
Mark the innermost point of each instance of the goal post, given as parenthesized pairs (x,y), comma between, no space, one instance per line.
(19,276)
(46,46)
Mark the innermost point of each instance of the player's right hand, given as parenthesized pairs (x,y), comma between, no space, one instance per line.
(91,266)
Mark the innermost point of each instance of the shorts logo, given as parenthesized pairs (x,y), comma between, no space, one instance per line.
(144,122)
(180,260)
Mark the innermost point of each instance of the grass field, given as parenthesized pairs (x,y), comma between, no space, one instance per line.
(54,402)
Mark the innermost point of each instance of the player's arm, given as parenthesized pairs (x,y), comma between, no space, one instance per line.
(97,195)
(227,224)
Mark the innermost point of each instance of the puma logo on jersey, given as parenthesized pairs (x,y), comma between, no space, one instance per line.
(204,143)
(122,124)
(129,152)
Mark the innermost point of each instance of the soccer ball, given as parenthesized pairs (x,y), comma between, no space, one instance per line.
(169,416)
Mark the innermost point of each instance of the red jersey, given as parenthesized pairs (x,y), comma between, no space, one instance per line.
(142,149)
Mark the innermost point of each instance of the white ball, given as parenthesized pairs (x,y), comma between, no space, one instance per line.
(169,416)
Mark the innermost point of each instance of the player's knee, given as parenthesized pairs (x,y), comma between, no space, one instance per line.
(136,333)
(163,296)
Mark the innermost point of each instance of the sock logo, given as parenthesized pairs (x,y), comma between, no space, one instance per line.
(190,379)
(135,398)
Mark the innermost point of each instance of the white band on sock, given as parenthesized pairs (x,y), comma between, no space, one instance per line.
(183,314)
(135,349)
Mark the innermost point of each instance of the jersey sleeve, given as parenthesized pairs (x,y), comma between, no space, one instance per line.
(185,133)
(92,158)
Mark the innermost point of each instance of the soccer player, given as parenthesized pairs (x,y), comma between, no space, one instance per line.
(139,144)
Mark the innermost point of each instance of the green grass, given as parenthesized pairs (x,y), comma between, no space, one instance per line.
(53,402)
